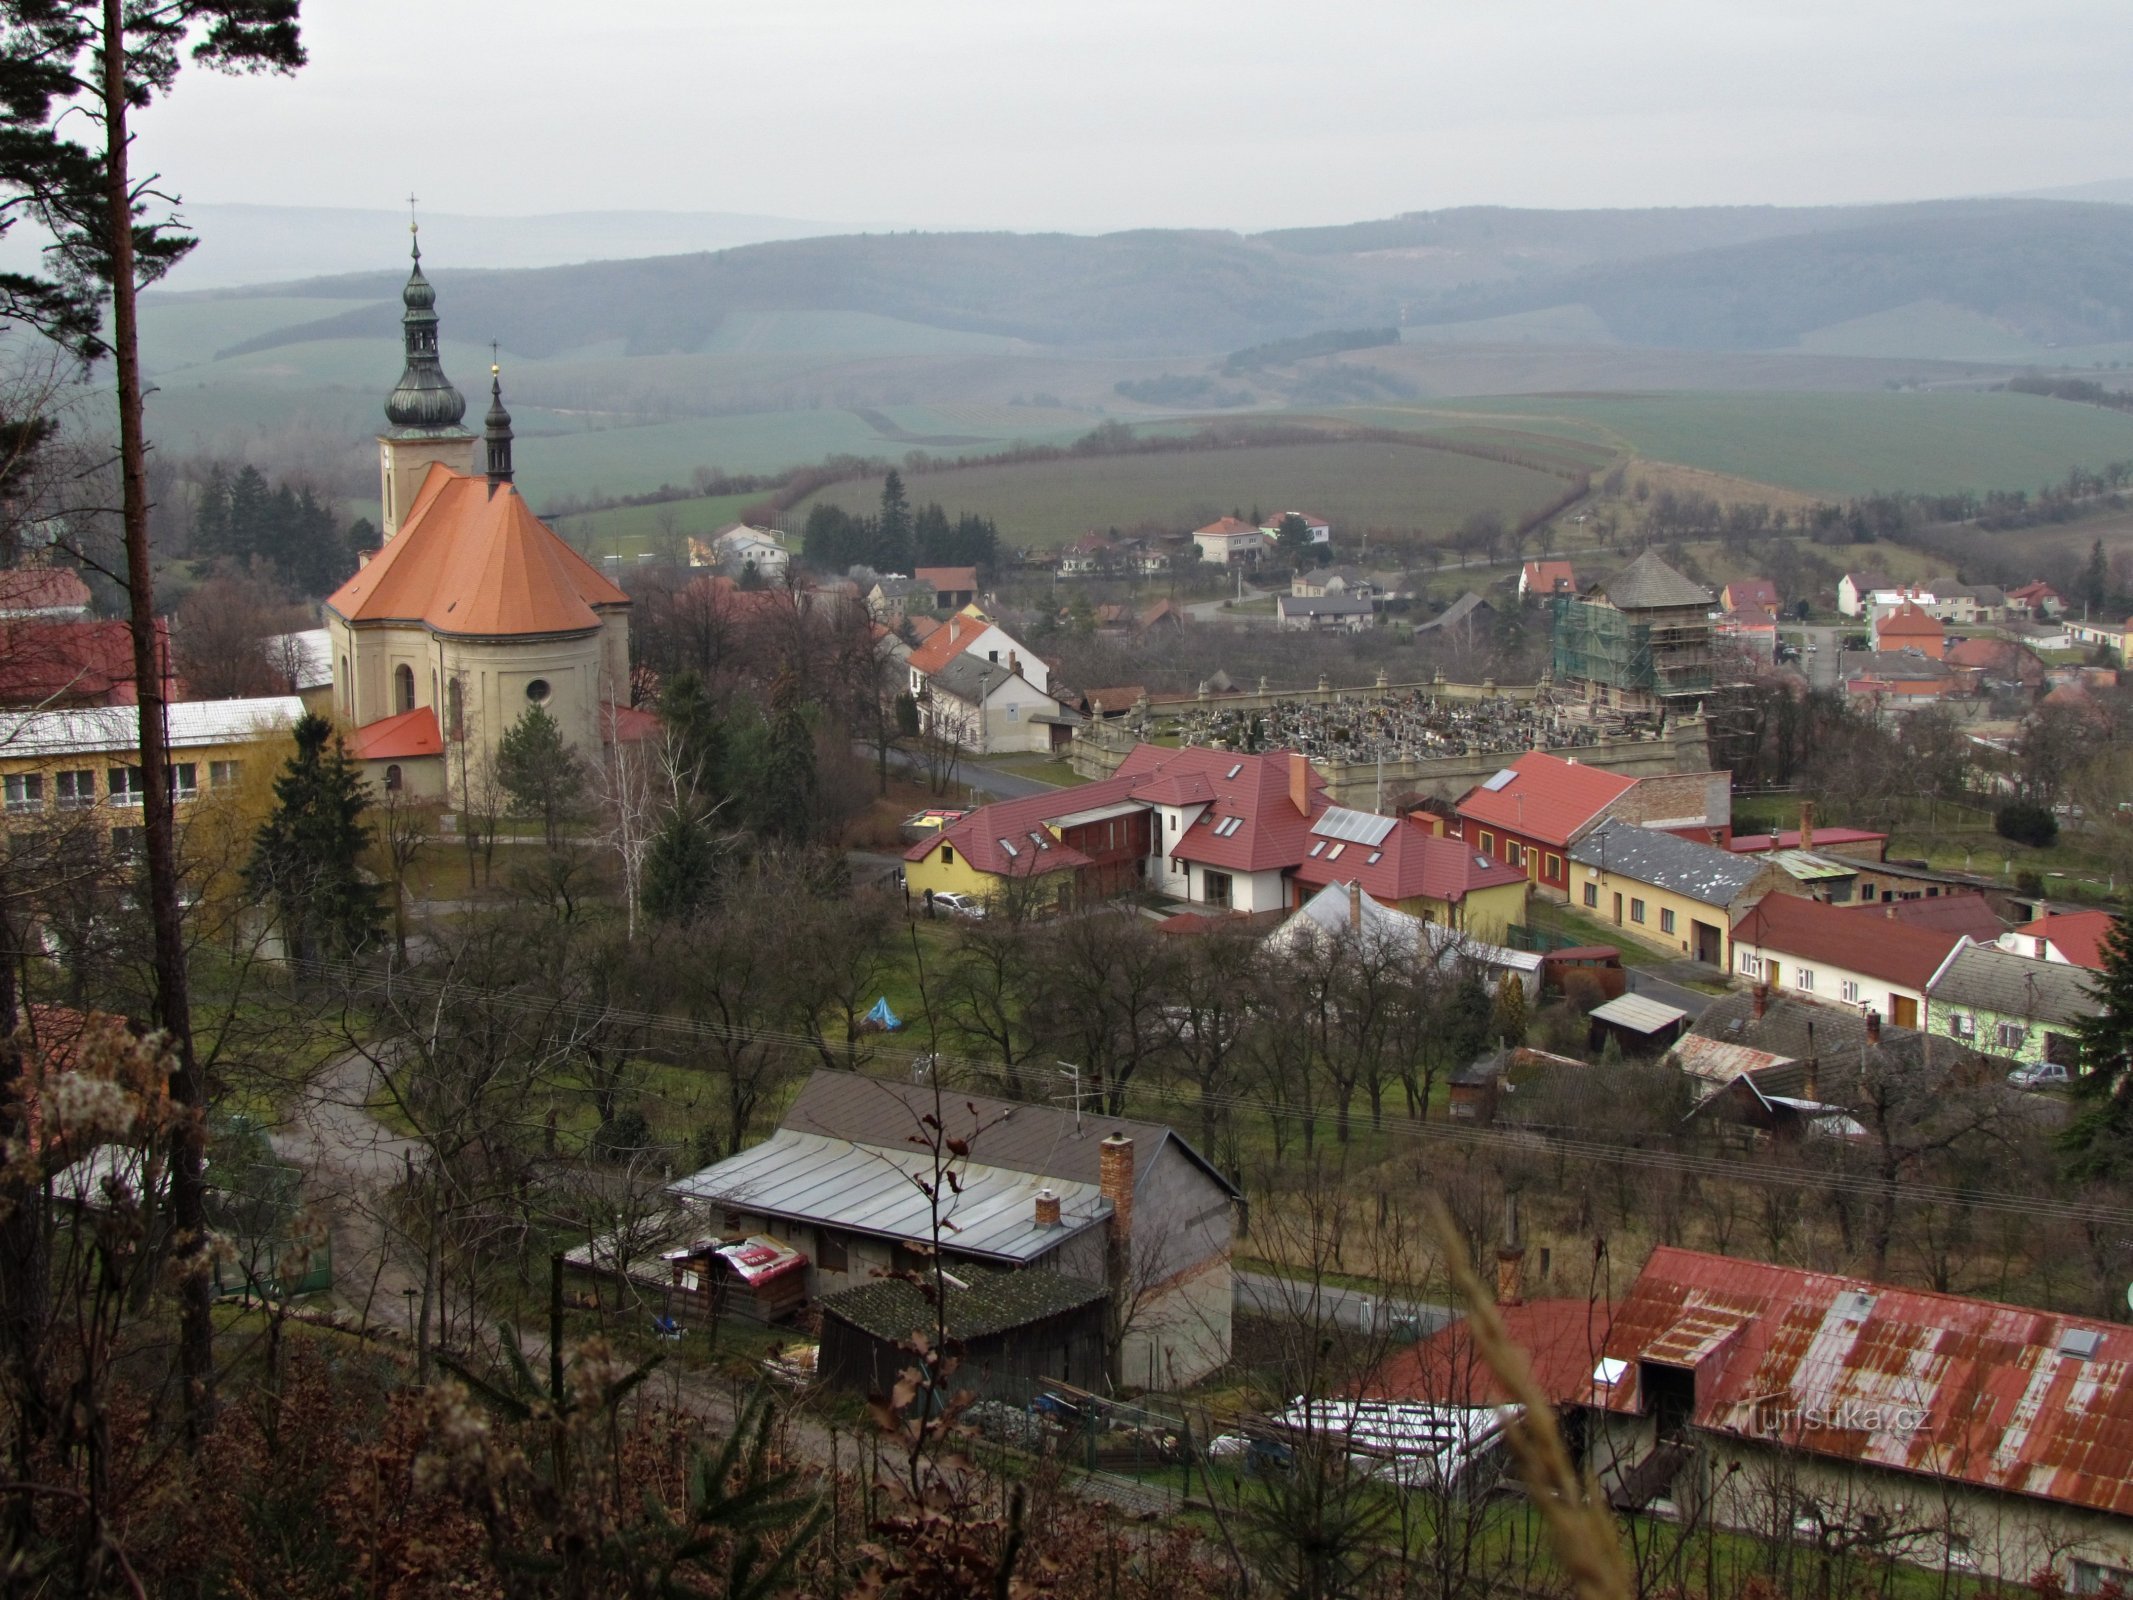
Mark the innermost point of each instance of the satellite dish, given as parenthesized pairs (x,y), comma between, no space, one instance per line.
(2129,1296)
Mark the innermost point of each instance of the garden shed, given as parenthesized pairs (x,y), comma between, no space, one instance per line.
(1015,1331)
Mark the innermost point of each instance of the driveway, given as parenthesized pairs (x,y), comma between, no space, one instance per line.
(1261,1294)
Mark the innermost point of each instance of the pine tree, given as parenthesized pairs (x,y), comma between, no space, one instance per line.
(307,858)
(699,736)
(894,547)
(250,530)
(2099,1141)
(679,869)
(1510,1011)
(2096,581)
(540,772)
(786,798)
(211,517)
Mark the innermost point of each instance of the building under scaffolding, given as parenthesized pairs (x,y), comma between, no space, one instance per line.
(1641,641)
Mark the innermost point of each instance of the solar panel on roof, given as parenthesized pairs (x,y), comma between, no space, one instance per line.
(1357,827)
(1496,783)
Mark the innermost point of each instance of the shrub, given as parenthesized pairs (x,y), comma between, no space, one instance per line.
(2026,822)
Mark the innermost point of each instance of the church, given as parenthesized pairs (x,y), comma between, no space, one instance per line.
(473,610)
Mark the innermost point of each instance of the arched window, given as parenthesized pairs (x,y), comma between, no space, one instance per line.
(458,729)
(403,687)
(392,778)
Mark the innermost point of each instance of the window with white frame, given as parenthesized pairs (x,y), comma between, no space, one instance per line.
(185,779)
(1804,979)
(2012,1035)
(224,773)
(1666,920)
(1851,991)
(1751,966)
(127,786)
(76,789)
(25,791)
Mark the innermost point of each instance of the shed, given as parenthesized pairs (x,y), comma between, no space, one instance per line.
(1639,1021)
(1013,1330)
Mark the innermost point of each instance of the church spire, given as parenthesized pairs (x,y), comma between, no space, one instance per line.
(497,430)
(425,403)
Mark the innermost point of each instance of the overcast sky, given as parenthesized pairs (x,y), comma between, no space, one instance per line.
(1104,114)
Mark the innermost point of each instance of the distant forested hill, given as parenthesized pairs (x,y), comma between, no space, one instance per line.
(1721,278)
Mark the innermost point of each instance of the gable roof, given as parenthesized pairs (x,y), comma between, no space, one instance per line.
(1789,839)
(951,639)
(1230,528)
(970,677)
(1744,592)
(1792,1029)
(1550,576)
(1649,584)
(1910,621)
(1864,582)
(1458,611)
(2077,935)
(1699,872)
(1561,1340)
(1991,979)
(1546,797)
(982,1304)
(952,580)
(28,590)
(1968,914)
(1395,858)
(472,558)
(1896,952)
(1251,823)
(1046,1141)
(1999,1395)
(71,661)
(1994,655)
(1323,605)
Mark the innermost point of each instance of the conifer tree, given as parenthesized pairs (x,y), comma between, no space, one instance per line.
(540,772)
(307,859)
(679,868)
(2099,1141)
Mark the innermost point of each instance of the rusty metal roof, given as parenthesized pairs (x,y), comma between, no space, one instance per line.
(1997,1396)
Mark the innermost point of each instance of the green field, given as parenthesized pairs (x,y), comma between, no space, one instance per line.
(1841,444)
(1354,485)
(628,530)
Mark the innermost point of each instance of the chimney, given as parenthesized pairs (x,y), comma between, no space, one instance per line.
(1873,1027)
(1762,1000)
(1047,1209)
(1811,1084)
(1355,907)
(1014,664)
(1300,783)
(1114,1180)
(1510,1258)
(1807,824)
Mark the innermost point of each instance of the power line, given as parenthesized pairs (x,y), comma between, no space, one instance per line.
(963,1070)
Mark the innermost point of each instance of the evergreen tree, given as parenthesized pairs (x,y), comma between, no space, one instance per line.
(679,869)
(932,540)
(699,735)
(786,796)
(211,517)
(307,858)
(2096,581)
(1510,1011)
(1293,538)
(540,772)
(894,547)
(2099,1142)
(250,530)
(1469,1016)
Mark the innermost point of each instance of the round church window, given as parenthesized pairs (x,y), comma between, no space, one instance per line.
(537,690)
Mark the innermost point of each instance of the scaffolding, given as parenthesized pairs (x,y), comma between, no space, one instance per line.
(1663,654)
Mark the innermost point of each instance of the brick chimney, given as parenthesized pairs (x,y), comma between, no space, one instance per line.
(1014,664)
(1807,824)
(1811,1084)
(1762,1000)
(1114,1180)
(1047,1209)
(1300,782)
(1873,1027)
(1355,907)
(1510,1258)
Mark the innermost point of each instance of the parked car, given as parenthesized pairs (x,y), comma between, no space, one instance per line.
(957,904)
(2043,1075)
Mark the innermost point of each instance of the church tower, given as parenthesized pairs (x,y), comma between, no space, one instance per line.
(424,411)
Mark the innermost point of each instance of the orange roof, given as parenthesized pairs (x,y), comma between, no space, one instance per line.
(2079,935)
(949,579)
(475,560)
(946,642)
(1546,797)
(398,738)
(1909,621)
(1231,526)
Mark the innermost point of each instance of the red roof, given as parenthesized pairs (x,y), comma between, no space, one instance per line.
(948,580)
(1549,577)
(1409,863)
(1251,795)
(398,738)
(628,725)
(984,836)
(2078,935)
(1974,1391)
(472,558)
(33,589)
(1809,930)
(1789,839)
(74,663)
(1229,527)
(945,643)
(1908,621)
(1547,798)
(1758,593)
(2003,656)
(1562,1340)
(1968,914)
(2033,591)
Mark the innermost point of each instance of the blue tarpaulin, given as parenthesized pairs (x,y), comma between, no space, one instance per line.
(881,1016)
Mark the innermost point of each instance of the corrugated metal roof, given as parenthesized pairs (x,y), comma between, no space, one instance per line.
(1638,1012)
(1967,1390)
(118,728)
(874,1189)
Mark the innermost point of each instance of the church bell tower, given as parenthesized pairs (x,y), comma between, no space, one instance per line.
(424,411)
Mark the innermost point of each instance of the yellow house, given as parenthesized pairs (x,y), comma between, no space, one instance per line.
(1669,893)
(1400,863)
(83,765)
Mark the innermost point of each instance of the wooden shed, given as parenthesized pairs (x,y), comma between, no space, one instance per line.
(1028,1328)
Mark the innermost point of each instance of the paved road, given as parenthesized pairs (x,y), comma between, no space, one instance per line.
(985,780)
(1822,665)
(1263,1295)
(1211,610)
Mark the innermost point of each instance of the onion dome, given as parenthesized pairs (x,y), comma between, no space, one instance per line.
(425,401)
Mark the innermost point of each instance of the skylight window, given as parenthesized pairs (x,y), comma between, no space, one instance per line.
(1374,858)
(1239,767)
(1609,1372)
(2080,1343)
(1008,846)
(1496,784)
(1335,853)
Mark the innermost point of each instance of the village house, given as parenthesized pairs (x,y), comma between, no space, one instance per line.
(2037,600)
(1320,530)
(1855,591)
(1966,604)
(1909,626)
(1670,893)
(737,547)
(1325,613)
(890,599)
(1530,813)
(1124,1205)
(53,593)
(953,587)
(2106,634)
(1229,541)
(1954,1433)
(1400,863)
(2074,937)
(1350,582)
(1756,1031)
(2015,1007)
(1840,957)
(1971,915)
(972,633)
(1345,912)
(1639,641)
(1539,579)
(1751,596)
(1861,843)
(1992,662)
(988,707)
(1891,679)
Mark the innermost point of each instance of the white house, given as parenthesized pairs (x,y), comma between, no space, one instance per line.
(1325,613)
(737,546)
(971,634)
(1320,529)
(989,707)
(1229,540)
(1841,955)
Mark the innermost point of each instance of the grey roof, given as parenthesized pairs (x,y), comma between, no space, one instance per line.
(1702,872)
(1798,1031)
(971,677)
(1990,979)
(1345,573)
(990,1303)
(867,1187)
(1649,584)
(1458,611)
(1896,664)
(1323,605)
(1988,594)
(893,588)
(1326,912)
(1049,1141)
(1639,1013)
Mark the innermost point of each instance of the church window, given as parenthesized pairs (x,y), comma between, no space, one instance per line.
(392,779)
(537,690)
(403,688)
(458,729)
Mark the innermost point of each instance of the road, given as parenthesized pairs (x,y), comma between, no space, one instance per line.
(1667,992)
(985,780)
(1822,664)
(1211,610)
(1261,1294)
